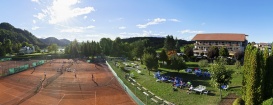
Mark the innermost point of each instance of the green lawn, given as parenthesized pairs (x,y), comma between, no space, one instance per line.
(180,97)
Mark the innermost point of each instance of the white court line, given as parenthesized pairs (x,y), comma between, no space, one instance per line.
(12,95)
(26,87)
(8,89)
(95,97)
(61,99)
(63,90)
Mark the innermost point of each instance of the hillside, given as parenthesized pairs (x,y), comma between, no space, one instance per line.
(50,40)
(7,31)
(157,42)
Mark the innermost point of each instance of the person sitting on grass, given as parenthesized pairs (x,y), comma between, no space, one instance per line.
(181,84)
(190,89)
(189,84)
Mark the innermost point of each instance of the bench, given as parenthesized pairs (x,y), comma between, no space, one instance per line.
(145,93)
(151,93)
(144,88)
(138,88)
(167,103)
(154,100)
(138,84)
(158,98)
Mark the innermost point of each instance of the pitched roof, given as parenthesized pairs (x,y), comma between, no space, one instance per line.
(220,37)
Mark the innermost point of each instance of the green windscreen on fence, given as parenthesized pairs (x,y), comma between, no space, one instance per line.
(11,71)
(18,69)
(5,59)
(34,64)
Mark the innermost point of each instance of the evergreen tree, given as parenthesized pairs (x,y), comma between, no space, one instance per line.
(253,85)
(268,79)
(169,43)
(163,56)
(177,46)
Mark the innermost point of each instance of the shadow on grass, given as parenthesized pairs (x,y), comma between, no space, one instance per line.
(234,87)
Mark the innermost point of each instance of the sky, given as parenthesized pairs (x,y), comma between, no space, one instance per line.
(95,19)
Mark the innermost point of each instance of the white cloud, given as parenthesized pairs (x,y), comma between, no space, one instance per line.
(62,10)
(40,16)
(155,21)
(72,30)
(93,20)
(189,32)
(122,27)
(189,37)
(144,33)
(84,17)
(34,21)
(75,29)
(89,27)
(174,20)
(37,1)
(35,28)
(203,24)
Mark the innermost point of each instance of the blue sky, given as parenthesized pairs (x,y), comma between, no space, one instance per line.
(94,19)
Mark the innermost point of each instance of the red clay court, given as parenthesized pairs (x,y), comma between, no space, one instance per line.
(63,82)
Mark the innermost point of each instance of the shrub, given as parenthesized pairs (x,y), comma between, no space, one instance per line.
(203,63)
(237,64)
(238,101)
(268,102)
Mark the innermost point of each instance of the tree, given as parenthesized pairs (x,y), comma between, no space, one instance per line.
(150,62)
(188,50)
(268,102)
(105,44)
(213,52)
(163,56)
(220,75)
(253,75)
(16,47)
(177,63)
(177,46)
(8,46)
(37,49)
(138,48)
(169,43)
(268,78)
(53,47)
(2,50)
(223,52)
(203,63)
(237,64)
(25,44)
(238,55)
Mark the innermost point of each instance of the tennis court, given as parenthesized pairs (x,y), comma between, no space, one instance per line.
(63,82)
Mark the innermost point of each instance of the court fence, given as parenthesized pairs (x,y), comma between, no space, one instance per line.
(7,70)
(5,59)
(132,95)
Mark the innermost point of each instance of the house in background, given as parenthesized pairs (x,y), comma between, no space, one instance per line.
(27,50)
(262,46)
(233,42)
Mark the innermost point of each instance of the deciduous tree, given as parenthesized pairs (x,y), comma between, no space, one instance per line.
(220,75)
(150,61)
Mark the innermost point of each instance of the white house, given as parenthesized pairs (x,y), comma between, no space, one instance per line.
(27,50)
